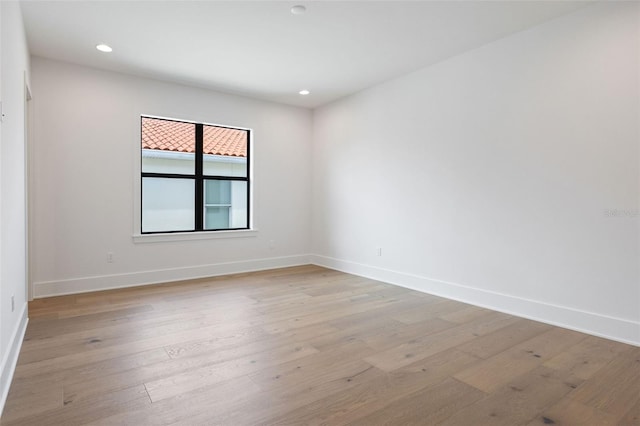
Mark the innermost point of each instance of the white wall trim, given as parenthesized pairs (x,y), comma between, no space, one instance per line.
(108,282)
(11,356)
(188,236)
(617,329)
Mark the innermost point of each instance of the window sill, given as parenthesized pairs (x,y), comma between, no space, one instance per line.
(193,236)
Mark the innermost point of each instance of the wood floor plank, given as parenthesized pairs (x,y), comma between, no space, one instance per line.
(326,315)
(211,399)
(234,358)
(632,418)
(101,353)
(310,306)
(244,342)
(426,407)
(42,328)
(421,313)
(494,372)
(308,345)
(431,344)
(587,357)
(568,412)
(94,372)
(504,338)
(615,387)
(378,332)
(94,339)
(211,374)
(194,347)
(464,314)
(263,407)
(87,410)
(519,400)
(340,361)
(358,402)
(385,338)
(27,400)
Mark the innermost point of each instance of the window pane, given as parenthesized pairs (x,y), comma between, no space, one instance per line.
(225,151)
(225,204)
(216,217)
(168,146)
(167,204)
(217,192)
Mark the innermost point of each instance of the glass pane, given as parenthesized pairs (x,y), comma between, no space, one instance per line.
(167,204)
(216,217)
(225,151)
(217,192)
(225,204)
(168,146)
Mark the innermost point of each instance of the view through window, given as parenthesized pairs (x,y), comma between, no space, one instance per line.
(195,176)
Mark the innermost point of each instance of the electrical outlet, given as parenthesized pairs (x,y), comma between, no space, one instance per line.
(13,303)
(109,257)
(379,251)
(272,244)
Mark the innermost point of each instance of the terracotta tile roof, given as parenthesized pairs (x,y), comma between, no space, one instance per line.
(176,136)
(223,141)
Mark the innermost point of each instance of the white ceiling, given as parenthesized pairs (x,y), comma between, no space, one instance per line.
(260,49)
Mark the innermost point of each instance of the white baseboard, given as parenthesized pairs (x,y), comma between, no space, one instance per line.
(108,282)
(10,358)
(618,329)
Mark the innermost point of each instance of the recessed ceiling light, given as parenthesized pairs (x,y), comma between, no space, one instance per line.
(298,9)
(304,92)
(104,48)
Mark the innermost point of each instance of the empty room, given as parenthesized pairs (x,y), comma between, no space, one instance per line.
(319,212)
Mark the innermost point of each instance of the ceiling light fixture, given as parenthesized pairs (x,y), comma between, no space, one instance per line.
(304,92)
(298,9)
(104,48)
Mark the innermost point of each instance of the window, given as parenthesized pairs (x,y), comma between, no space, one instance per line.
(195,177)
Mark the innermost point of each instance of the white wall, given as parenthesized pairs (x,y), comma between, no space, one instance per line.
(489,177)
(86,161)
(14,65)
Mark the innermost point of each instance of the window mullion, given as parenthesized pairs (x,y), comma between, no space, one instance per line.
(199,184)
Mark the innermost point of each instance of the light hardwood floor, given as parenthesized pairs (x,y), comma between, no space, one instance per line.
(308,345)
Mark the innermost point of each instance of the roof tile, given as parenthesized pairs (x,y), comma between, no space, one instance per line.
(167,135)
